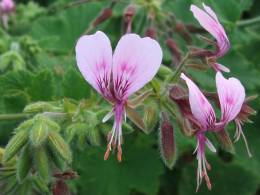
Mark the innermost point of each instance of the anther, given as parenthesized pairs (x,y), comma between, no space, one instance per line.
(119,153)
(106,156)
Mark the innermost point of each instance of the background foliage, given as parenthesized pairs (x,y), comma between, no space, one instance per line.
(37,63)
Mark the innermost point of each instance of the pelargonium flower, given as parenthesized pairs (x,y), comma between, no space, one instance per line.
(231,94)
(209,21)
(6,7)
(117,76)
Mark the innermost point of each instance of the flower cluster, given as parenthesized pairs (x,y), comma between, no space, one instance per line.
(197,110)
(135,61)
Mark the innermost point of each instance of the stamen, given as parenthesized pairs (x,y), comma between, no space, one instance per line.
(107,153)
(240,132)
(208,165)
(247,147)
(119,153)
(203,164)
(114,138)
(206,177)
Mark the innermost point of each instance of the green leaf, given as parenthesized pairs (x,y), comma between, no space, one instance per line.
(74,86)
(60,32)
(42,86)
(139,170)
(40,185)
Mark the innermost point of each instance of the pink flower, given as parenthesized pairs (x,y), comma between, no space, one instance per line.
(231,95)
(6,8)
(117,76)
(208,20)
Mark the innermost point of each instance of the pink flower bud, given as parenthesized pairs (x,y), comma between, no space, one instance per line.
(151,32)
(175,52)
(60,188)
(128,16)
(182,31)
(166,141)
(103,16)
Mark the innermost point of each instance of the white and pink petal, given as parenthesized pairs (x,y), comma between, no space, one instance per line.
(231,95)
(209,21)
(136,60)
(94,60)
(200,106)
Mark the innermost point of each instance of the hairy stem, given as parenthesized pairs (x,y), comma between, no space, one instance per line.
(17,116)
(179,68)
(248,22)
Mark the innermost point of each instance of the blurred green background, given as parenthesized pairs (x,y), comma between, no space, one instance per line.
(42,37)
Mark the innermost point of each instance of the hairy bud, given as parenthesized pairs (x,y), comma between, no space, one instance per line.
(182,31)
(166,141)
(151,32)
(128,17)
(103,16)
(175,52)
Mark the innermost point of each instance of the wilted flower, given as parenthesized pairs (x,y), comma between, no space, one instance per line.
(231,95)
(116,77)
(208,20)
(6,8)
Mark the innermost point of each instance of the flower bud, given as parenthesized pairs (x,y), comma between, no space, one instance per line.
(39,107)
(128,17)
(182,31)
(24,164)
(60,188)
(39,184)
(151,32)
(105,14)
(15,144)
(175,52)
(59,147)
(39,131)
(166,141)
(41,161)
(150,118)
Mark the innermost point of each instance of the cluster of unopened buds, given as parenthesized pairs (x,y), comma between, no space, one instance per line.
(6,8)
(135,61)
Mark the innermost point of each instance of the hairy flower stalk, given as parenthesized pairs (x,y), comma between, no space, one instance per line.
(231,94)
(6,8)
(116,77)
(209,21)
